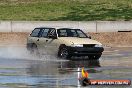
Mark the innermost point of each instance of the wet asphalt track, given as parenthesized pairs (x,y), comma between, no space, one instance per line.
(20,70)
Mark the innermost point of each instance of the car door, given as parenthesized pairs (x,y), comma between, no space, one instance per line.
(41,42)
(52,43)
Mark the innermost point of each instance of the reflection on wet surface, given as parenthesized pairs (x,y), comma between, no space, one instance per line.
(115,63)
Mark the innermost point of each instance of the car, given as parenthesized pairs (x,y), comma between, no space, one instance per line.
(63,42)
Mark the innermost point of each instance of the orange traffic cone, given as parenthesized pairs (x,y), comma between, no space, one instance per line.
(84,80)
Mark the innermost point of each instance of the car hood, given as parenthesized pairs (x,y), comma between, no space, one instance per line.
(76,40)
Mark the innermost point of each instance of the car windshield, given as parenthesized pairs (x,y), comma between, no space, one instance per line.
(71,33)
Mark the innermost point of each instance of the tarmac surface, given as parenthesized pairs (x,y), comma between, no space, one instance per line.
(18,69)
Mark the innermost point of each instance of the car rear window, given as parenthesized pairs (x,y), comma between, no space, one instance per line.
(35,33)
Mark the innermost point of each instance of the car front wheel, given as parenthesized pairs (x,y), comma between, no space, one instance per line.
(63,53)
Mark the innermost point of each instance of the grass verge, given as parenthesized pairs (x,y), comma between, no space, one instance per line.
(73,10)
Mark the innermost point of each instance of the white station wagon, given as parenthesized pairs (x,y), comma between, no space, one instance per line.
(63,42)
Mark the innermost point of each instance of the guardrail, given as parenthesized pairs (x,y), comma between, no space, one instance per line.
(87,26)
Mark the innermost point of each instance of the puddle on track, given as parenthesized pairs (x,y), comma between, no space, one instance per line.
(58,73)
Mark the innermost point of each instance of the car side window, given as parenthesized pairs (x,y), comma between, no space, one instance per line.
(35,33)
(45,33)
(73,33)
(62,33)
(52,32)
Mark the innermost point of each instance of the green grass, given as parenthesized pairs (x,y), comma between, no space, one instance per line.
(73,10)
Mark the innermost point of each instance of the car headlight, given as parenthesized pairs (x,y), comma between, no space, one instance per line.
(97,45)
(77,45)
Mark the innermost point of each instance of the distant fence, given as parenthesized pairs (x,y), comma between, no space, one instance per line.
(87,26)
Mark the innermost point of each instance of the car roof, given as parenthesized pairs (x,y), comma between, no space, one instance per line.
(55,28)
(68,28)
(45,27)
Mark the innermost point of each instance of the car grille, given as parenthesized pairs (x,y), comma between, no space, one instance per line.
(88,45)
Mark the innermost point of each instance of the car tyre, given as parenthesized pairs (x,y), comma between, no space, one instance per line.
(29,46)
(34,49)
(64,53)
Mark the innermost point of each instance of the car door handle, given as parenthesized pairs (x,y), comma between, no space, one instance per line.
(46,40)
(38,40)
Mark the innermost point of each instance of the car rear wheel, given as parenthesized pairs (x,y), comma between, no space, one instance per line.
(63,53)
(33,49)
(29,46)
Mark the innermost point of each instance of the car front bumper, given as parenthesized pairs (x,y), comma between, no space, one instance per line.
(85,51)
